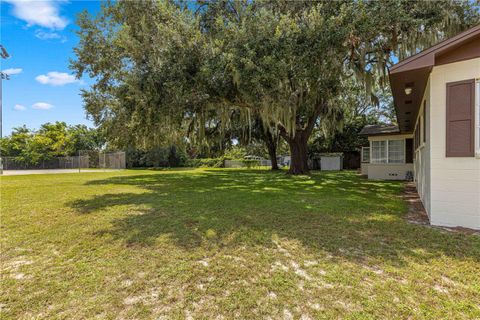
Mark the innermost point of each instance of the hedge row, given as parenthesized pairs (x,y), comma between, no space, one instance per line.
(204,163)
(173,157)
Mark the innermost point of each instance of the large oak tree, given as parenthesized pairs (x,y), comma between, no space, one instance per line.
(162,68)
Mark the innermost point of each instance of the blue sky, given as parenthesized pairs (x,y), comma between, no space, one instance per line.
(39,36)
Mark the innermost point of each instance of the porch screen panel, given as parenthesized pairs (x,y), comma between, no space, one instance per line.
(396,151)
(379,152)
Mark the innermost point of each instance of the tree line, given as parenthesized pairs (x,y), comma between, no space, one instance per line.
(51,140)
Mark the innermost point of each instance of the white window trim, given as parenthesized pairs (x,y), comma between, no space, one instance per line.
(423,131)
(387,152)
(371,152)
(370,143)
(420,126)
(363,152)
(477,118)
(404,151)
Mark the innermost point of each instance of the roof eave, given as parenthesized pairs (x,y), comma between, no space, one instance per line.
(426,57)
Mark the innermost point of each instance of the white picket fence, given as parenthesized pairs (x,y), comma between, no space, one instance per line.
(241,164)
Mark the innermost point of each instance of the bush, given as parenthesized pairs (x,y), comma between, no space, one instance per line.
(250,163)
(176,158)
(235,152)
(204,163)
(156,157)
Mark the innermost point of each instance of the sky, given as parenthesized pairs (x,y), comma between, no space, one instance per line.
(40,37)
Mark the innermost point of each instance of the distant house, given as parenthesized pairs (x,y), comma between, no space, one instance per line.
(436,94)
(389,155)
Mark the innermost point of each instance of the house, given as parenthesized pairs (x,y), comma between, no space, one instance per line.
(389,155)
(436,95)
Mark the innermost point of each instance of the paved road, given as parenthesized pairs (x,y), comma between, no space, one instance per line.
(50,171)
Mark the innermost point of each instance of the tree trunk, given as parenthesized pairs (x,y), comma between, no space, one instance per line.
(272,152)
(298,153)
(298,142)
(272,149)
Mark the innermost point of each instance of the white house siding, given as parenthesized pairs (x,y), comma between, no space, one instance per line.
(422,157)
(387,171)
(455,181)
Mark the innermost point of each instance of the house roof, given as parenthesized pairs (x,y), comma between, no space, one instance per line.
(426,58)
(379,129)
(413,72)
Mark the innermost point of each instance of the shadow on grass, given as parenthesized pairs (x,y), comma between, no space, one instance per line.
(336,212)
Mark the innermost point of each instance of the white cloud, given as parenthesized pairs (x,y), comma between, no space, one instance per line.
(12,71)
(19,107)
(42,35)
(55,78)
(42,106)
(44,13)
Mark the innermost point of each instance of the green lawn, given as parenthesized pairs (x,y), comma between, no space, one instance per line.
(242,244)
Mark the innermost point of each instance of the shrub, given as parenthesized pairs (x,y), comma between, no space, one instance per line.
(235,152)
(176,158)
(250,163)
(156,157)
(204,163)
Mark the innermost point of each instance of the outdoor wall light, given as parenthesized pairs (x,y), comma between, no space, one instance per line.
(409,88)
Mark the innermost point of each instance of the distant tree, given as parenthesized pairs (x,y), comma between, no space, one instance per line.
(80,137)
(357,110)
(16,145)
(148,91)
(49,141)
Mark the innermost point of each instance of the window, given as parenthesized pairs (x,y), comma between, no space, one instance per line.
(396,151)
(387,151)
(477,131)
(424,122)
(379,152)
(366,154)
(416,137)
(420,132)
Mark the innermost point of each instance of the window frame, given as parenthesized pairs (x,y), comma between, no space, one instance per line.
(372,159)
(404,152)
(477,118)
(424,122)
(416,137)
(420,129)
(365,152)
(387,151)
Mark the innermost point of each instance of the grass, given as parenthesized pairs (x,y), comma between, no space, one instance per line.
(245,244)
